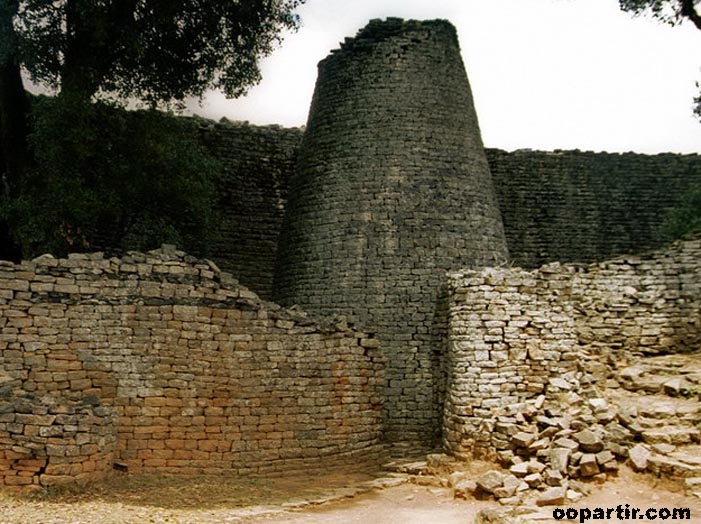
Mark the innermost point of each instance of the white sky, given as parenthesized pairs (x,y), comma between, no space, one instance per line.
(545,74)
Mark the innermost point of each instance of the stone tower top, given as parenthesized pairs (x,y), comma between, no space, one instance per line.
(379,30)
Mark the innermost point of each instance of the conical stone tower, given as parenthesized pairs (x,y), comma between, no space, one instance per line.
(392,189)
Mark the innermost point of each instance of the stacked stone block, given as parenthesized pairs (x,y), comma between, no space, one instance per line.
(202,375)
(392,189)
(648,303)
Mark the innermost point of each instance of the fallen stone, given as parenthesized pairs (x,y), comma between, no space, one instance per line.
(553,477)
(520,470)
(508,488)
(548,432)
(512,501)
(458,476)
(559,458)
(589,441)
(610,466)
(602,457)
(599,405)
(539,444)
(523,439)
(639,456)
(497,516)
(534,479)
(464,488)
(566,443)
(574,496)
(490,481)
(588,466)
(551,497)
(535,467)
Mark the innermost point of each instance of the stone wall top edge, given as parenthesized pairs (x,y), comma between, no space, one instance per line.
(94,265)
(225,123)
(458,278)
(566,152)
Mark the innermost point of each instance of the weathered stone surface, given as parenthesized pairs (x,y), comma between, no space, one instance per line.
(523,439)
(588,465)
(519,470)
(191,374)
(464,488)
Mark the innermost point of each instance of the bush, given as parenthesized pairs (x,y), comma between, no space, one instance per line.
(685,218)
(108,178)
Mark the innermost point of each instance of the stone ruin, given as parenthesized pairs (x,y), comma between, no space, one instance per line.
(401,320)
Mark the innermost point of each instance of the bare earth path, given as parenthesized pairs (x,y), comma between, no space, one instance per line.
(221,501)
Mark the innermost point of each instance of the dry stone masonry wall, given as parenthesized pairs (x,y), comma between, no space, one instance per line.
(573,206)
(252,192)
(52,440)
(515,334)
(510,332)
(645,304)
(392,189)
(200,374)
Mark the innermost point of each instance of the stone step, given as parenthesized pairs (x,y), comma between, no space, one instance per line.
(674,435)
(669,467)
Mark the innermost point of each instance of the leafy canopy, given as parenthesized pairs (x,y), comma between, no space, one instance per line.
(109,178)
(152,50)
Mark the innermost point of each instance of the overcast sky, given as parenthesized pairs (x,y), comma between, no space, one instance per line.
(546,74)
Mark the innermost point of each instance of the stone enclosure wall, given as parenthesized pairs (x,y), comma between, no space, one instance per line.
(200,374)
(513,332)
(574,206)
(51,440)
(253,190)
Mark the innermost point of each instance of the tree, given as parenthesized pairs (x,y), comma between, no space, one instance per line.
(155,51)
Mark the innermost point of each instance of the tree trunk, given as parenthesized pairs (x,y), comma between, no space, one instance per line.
(14,129)
(14,105)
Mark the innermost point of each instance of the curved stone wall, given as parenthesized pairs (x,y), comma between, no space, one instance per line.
(392,189)
(202,376)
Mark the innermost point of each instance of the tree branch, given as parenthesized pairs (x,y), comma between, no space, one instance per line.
(688,10)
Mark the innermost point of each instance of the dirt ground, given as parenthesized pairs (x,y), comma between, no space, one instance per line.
(295,501)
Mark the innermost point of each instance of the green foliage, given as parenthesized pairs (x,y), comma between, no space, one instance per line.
(684,219)
(111,178)
(152,50)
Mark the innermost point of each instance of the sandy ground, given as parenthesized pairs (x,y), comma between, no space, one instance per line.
(221,500)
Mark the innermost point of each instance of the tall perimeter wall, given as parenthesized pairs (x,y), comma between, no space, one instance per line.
(571,206)
(574,206)
(392,189)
